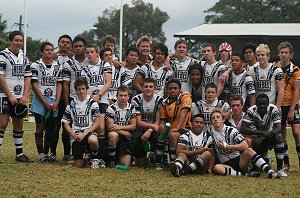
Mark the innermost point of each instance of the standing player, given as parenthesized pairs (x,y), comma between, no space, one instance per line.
(176,110)
(147,119)
(71,71)
(250,56)
(212,68)
(98,74)
(15,78)
(225,51)
(181,64)
(267,77)
(192,154)
(47,85)
(239,82)
(144,46)
(83,114)
(232,150)
(121,122)
(156,70)
(110,42)
(262,124)
(289,106)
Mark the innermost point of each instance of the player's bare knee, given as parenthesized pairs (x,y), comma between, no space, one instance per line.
(113,137)
(206,155)
(218,169)
(93,141)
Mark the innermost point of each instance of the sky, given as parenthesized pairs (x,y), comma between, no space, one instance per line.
(48,19)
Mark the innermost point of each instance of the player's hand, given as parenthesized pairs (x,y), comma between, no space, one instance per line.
(13,100)
(114,127)
(80,137)
(54,106)
(224,77)
(174,130)
(290,116)
(118,64)
(96,97)
(127,135)
(223,145)
(23,100)
(156,128)
(161,128)
(146,135)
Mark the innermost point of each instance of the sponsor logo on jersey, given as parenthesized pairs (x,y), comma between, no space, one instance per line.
(181,75)
(81,120)
(48,81)
(148,117)
(236,91)
(264,85)
(18,70)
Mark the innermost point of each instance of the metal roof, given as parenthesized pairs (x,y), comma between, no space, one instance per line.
(245,29)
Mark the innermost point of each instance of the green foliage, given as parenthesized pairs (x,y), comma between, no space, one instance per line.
(140,19)
(3,34)
(254,11)
(33,49)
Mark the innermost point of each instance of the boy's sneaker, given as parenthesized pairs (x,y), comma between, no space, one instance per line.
(43,159)
(287,168)
(253,174)
(101,163)
(23,158)
(52,158)
(95,163)
(175,170)
(273,174)
(281,173)
(159,166)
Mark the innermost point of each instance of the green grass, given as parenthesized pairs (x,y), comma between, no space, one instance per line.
(63,180)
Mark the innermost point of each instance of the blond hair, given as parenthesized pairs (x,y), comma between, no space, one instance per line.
(264,48)
(143,38)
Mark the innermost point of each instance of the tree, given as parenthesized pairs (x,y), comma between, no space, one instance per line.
(33,49)
(254,11)
(3,34)
(140,19)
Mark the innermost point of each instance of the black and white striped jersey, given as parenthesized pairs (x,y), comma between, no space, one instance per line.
(95,75)
(116,81)
(161,76)
(47,78)
(147,109)
(119,115)
(71,71)
(193,141)
(81,113)
(264,123)
(228,134)
(14,68)
(241,85)
(127,78)
(232,123)
(265,80)
(180,69)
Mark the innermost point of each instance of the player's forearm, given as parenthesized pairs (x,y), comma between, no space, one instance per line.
(38,93)
(182,118)
(69,130)
(280,94)
(105,88)
(238,147)
(26,86)
(296,93)
(128,128)
(58,91)
(66,92)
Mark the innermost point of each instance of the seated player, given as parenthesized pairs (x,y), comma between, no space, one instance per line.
(192,156)
(236,117)
(147,120)
(262,124)
(232,151)
(83,113)
(121,123)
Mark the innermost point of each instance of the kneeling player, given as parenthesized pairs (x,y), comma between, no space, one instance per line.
(232,150)
(192,156)
(83,113)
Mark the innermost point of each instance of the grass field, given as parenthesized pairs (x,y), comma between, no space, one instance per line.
(63,180)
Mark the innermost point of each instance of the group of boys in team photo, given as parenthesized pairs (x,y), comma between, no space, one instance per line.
(220,114)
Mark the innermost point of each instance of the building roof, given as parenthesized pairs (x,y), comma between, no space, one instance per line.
(245,29)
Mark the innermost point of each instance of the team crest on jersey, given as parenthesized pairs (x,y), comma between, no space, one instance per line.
(18,89)
(95,92)
(81,120)
(48,92)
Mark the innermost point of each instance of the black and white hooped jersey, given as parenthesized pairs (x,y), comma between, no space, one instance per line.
(95,75)
(14,68)
(161,76)
(241,85)
(127,78)
(147,109)
(228,134)
(265,80)
(119,115)
(193,141)
(205,109)
(71,71)
(180,69)
(211,74)
(47,78)
(81,113)
(116,81)
(264,123)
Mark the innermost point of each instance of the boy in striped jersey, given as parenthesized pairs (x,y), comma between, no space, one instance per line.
(192,152)
(233,154)
(121,123)
(83,114)
(15,78)
(47,85)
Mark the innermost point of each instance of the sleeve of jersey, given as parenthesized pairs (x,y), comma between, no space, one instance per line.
(107,68)
(28,72)
(278,74)
(226,107)
(67,115)
(34,71)
(183,140)
(221,70)
(209,143)
(195,109)
(3,62)
(276,116)
(296,74)
(109,113)
(226,88)
(60,76)
(141,72)
(133,113)
(95,110)
(248,117)
(187,102)
(237,137)
(66,72)
(249,83)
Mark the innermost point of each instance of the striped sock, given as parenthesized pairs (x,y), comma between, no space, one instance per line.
(230,171)
(39,142)
(1,137)
(112,152)
(172,153)
(298,151)
(18,139)
(259,162)
(279,151)
(286,158)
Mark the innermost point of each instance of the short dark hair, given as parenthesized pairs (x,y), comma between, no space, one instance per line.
(93,46)
(81,81)
(123,88)
(44,44)
(64,36)
(199,115)
(211,85)
(213,47)
(237,98)
(12,35)
(162,47)
(262,96)
(242,57)
(104,50)
(196,67)
(180,41)
(251,46)
(132,49)
(174,81)
(149,80)
(108,39)
(79,38)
